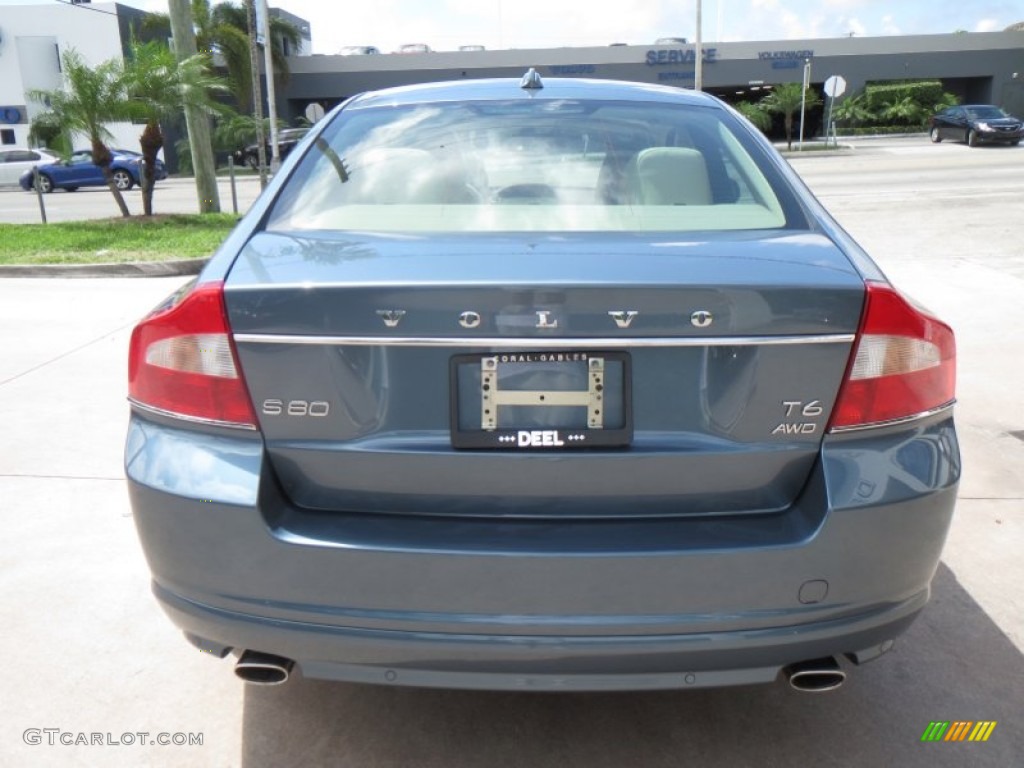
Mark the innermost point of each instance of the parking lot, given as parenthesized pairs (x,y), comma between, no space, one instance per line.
(170,196)
(90,653)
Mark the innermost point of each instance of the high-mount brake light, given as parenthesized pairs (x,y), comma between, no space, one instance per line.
(182,361)
(903,366)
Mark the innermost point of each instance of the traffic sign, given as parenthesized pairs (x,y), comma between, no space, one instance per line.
(835,86)
(314,112)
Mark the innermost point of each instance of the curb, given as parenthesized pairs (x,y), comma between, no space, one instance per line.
(844,144)
(841,148)
(180,267)
(873,136)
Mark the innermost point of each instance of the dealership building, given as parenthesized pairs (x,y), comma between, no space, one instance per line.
(33,38)
(985,67)
(982,67)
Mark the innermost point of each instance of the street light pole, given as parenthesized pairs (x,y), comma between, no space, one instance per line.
(803,100)
(257,92)
(698,58)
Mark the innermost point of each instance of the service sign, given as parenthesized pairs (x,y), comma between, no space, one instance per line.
(669,56)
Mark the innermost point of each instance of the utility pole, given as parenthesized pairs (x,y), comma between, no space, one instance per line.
(698,59)
(268,67)
(257,91)
(196,121)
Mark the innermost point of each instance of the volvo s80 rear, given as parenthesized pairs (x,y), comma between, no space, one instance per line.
(542,385)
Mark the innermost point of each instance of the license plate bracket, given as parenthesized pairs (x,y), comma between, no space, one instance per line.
(541,400)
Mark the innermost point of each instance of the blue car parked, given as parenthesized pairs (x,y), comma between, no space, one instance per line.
(541,385)
(80,171)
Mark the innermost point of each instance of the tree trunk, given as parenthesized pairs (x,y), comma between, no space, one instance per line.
(152,140)
(789,130)
(101,156)
(196,121)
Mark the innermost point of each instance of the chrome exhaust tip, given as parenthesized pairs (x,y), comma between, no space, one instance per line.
(263,668)
(815,676)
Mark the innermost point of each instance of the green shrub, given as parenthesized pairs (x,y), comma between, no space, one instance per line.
(924,93)
(882,130)
(892,107)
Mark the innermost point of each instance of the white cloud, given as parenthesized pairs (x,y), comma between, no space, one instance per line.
(589,23)
(889,26)
(854,25)
(988,25)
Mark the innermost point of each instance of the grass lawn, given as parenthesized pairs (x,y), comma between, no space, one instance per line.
(137,238)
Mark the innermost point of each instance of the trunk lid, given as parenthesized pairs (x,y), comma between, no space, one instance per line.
(720,358)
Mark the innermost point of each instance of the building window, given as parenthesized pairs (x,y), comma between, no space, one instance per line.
(6,135)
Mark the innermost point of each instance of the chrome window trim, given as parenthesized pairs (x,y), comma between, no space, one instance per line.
(522,343)
(893,422)
(191,419)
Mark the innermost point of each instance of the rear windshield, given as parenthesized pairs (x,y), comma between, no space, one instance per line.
(985,113)
(539,165)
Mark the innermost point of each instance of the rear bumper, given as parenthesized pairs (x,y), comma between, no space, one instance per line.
(541,663)
(546,605)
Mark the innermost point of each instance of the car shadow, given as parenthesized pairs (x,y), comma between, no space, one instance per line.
(953,664)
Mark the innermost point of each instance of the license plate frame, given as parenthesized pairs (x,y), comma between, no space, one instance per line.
(608,377)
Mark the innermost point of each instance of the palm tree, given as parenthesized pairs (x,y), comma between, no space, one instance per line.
(158,87)
(853,109)
(238,131)
(90,98)
(945,101)
(45,131)
(905,110)
(283,34)
(755,114)
(214,37)
(787,99)
(232,132)
(222,30)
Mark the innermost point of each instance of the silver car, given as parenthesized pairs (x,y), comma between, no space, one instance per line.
(15,161)
(547,384)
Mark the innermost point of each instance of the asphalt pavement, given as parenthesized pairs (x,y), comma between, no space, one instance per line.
(91,657)
(169,196)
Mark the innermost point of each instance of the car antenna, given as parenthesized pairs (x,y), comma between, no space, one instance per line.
(531,80)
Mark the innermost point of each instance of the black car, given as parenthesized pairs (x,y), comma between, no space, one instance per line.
(975,124)
(286,141)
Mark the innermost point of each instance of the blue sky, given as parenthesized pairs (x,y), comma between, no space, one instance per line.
(446,24)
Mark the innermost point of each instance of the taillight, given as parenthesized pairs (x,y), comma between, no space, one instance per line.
(904,363)
(182,361)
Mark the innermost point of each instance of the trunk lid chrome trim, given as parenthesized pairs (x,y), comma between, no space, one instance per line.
(528,342)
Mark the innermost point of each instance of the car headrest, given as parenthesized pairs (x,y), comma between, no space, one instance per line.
(670,176)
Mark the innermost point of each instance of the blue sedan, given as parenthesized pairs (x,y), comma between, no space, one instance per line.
(80,171)
(548,384)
